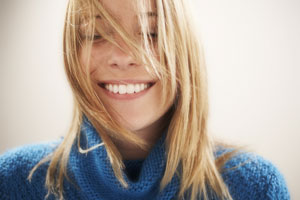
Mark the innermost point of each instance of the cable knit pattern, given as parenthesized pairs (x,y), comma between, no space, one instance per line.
(253,178)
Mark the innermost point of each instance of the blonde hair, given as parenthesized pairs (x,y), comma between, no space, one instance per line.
(181,70)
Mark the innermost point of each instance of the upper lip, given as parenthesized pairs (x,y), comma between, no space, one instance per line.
(125,81)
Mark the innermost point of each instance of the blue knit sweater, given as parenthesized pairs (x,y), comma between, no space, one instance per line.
(258,179)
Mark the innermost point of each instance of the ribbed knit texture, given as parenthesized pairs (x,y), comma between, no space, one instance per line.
(256,179)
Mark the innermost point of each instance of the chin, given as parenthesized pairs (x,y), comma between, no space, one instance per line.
(137,125)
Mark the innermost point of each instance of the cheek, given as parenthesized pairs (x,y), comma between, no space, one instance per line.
(91,62)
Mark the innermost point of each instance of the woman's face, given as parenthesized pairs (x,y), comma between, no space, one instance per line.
(123,84)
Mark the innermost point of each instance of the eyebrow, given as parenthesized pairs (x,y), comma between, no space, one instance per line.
(149,14)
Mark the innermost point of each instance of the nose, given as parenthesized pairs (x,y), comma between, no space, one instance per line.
(120,58)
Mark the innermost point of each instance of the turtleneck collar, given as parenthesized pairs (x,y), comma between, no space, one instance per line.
(94,175)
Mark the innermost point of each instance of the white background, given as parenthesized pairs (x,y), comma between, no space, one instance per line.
(253,59)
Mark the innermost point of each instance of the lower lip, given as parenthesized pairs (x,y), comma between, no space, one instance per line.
(126,96)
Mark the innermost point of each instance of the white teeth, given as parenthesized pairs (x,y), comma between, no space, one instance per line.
(122,89)
(126,89)
(137,88)
(110,87)
(130,88)
(115,89)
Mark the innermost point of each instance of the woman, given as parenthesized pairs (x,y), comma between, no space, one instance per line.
(139,128)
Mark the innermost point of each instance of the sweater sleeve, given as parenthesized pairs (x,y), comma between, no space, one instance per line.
(3,190)
(15,166)
(276,188)
(12,167)
(249,176)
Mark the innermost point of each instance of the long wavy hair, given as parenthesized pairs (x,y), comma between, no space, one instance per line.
(182,73)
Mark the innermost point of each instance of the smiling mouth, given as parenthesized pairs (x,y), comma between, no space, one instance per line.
(126,88)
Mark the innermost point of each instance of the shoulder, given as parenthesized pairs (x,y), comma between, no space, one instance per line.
(16,164)
(25,156)
(250,176)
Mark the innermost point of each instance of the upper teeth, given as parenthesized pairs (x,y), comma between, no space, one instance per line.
(126,89)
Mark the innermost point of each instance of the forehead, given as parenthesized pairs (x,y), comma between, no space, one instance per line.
(124,9)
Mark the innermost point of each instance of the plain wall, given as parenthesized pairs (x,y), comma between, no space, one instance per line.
(252,52)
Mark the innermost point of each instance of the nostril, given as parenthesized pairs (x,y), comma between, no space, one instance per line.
(132,64)
(121,60)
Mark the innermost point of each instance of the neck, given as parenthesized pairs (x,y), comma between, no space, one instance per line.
(130,151)
(150,134)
